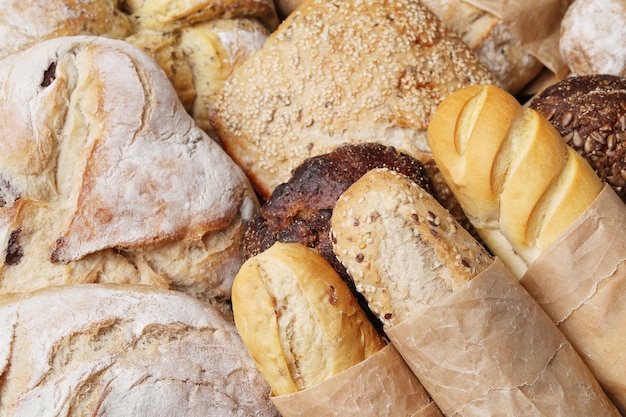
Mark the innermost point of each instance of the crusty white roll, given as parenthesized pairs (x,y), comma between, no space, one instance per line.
(119,350)
(592,38)
(298,318)
(401,247)
(105,177)
(518,182)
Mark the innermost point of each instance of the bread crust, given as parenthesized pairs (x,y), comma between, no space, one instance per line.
(298,318)
(400,246)
(313,87)
(516,179)
(104,176)
(589,111)
(112,350)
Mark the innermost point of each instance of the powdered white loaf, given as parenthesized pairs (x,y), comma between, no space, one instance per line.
(111,350)
(104,175)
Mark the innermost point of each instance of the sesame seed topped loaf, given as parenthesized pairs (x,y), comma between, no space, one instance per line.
(104,176)
(338,72)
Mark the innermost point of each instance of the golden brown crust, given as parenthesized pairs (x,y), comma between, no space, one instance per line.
(516,179)
(400,246)
(339,72)
(298,319)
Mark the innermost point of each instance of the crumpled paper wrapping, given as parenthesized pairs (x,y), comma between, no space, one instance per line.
(382,385)
(580,281)
(537,23)
(488,349)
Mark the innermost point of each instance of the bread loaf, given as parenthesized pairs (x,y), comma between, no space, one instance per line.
(401,253)
(589,112)
(518,182)
(113,350)
(298,319)
(105,177)
(312,86)
(592,36)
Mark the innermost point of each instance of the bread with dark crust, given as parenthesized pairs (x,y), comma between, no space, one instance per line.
(589,111)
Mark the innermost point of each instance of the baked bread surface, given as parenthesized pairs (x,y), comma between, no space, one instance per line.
(338,72)
(105,177)
(400,246)
(298,319)
(112,350)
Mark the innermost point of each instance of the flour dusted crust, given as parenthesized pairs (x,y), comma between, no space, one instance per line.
(338,72)
(110,350)
(104,176)
(593,34)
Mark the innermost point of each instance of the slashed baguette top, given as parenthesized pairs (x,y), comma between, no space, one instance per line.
(518,182)
(97,153)
(337,72)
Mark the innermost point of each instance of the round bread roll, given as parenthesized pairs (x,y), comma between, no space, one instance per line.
(113,351)
(104,177)
(589,111)
(593,35)
(298,319)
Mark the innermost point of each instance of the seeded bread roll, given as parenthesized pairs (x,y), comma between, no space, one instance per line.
(377,219)
(518,182)
(298,319)
(593,33)
(113,351)
(312,86)
(589,111)
(105,178)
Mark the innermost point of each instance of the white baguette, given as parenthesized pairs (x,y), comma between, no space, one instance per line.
(518,182)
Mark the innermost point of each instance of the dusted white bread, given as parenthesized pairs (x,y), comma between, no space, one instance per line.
(113,351)
(104,175)
(518,182)
(298,319)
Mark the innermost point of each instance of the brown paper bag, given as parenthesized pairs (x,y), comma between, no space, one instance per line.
(382,385)
(580,281)
(537,23)
(488,349)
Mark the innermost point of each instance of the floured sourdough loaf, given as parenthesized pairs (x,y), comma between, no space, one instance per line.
(196,43)
(338,72)
(104,175)
(112,350)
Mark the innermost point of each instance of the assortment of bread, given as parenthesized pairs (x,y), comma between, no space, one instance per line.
(197,44)
(264,208)
(474,337)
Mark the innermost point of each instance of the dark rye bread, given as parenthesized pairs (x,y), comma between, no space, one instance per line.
(300,209)
(589,111)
